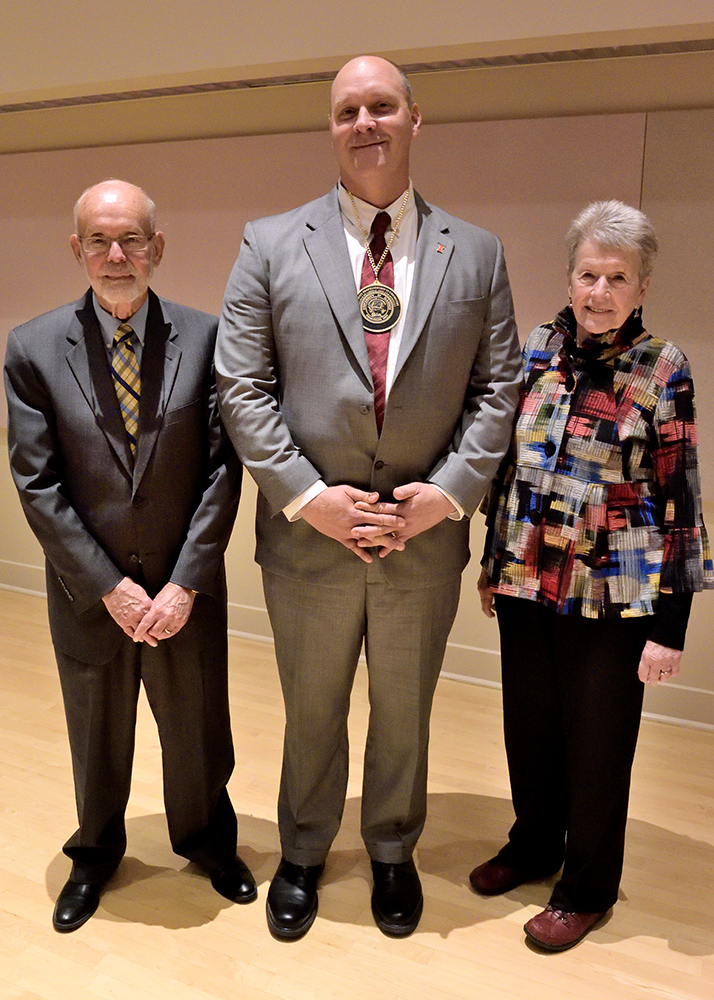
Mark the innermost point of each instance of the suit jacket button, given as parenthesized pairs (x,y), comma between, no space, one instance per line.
(379,465)
(364,408)
(138,501)
(133,558)
(549,448)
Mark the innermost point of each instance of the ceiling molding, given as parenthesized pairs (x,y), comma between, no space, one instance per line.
(433,66)
(606,79)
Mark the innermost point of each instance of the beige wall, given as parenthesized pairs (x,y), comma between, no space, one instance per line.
(523,179)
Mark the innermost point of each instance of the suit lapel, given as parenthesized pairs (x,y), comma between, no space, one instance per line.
(430,268)
(326,246)
(87,357)
(88,360)
(159,367)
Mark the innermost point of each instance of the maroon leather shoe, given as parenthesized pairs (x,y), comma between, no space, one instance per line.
(557,930)
(492,878)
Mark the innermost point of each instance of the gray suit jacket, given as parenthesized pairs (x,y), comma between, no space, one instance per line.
(296,391)
(98,515)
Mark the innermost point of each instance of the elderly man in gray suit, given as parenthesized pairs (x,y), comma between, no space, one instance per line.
(131,487)
(369,387)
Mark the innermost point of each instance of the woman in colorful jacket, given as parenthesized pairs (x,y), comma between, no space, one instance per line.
(595,545)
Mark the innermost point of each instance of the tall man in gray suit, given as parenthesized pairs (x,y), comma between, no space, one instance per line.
(131,487)
(373,419)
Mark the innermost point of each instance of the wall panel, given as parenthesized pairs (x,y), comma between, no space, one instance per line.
(522,179)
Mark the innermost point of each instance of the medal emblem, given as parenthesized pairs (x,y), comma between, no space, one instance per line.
(379,307)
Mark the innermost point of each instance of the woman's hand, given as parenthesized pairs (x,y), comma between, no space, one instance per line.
(485,595)
(658,663)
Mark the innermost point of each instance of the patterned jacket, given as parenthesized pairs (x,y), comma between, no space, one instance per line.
(598,509)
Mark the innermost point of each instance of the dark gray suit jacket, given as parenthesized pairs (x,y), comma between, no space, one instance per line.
(296,391)
(98,515)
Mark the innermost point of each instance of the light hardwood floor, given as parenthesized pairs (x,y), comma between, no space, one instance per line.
(161,933)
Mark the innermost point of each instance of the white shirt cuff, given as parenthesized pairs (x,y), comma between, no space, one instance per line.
(292,511)
(456,515)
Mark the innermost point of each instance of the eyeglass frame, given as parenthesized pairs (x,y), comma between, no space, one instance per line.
(120,241)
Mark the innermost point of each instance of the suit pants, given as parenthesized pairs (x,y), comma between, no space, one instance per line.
(186,684)
(319,632)
(572,703)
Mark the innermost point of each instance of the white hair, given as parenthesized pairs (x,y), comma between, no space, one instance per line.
(613,224)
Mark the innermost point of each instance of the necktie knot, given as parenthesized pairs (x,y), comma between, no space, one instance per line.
(381,224)
(123,334)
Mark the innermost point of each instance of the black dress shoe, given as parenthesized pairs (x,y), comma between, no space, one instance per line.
(234,881)
(75,905)
(292,899)
(397,899)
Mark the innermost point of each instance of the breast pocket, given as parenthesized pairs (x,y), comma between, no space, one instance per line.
(181,414)
(466,312)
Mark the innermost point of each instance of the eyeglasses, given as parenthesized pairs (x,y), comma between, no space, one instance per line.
(131,244)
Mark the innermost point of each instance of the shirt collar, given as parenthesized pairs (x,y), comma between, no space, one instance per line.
(368,212)
(110,324)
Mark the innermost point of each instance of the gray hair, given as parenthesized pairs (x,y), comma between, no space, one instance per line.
(613,224)
(150,206)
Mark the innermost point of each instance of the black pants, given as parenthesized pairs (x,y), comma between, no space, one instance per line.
(572,702)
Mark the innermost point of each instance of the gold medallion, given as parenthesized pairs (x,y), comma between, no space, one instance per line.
(379,307)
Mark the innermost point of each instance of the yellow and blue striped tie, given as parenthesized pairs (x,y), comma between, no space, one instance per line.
(127,381)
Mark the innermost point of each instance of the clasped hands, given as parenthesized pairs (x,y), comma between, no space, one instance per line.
(145,620)
(359,520)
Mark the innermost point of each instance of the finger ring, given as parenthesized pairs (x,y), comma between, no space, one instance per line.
(167,631)
(665,673)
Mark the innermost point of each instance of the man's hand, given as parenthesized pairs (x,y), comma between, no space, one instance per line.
(167,615)
(421,506)
(339,510)
(127,603)
(658,663)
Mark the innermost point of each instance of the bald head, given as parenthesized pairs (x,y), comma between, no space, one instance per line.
(112,192)
(374,64)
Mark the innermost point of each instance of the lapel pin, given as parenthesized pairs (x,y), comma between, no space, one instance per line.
(440,248)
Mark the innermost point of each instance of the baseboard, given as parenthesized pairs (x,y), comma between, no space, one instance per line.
(673,703)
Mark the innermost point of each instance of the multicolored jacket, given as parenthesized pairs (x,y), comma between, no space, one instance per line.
(598,509)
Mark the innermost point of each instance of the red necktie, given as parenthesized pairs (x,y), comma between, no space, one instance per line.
(378,343)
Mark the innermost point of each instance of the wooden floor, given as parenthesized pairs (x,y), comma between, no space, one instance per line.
(161,933)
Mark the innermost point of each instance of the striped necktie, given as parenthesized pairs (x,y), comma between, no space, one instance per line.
(127,381)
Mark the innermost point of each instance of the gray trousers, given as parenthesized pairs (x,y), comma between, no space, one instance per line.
(318,638)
